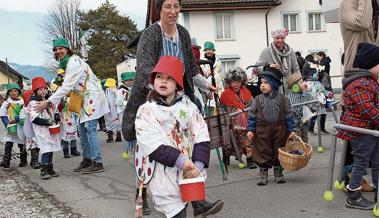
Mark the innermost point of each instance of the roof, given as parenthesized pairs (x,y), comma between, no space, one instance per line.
(3,68)
(204,5)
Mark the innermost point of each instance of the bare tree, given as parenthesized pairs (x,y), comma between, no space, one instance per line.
(61,20)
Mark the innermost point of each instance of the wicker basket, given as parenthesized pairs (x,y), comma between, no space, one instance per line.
(293,162)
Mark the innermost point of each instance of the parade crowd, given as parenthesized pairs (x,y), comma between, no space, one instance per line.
(159,112)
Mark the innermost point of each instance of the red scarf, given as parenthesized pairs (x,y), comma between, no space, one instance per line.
(231,99)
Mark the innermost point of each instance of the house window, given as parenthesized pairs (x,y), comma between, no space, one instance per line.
(228,65)
(224,25)
(315,21)
(291,21)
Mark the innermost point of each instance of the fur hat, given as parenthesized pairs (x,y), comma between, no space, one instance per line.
(236,74)
(293,79)
(171,66)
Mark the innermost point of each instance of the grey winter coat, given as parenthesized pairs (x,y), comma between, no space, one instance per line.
(148,53)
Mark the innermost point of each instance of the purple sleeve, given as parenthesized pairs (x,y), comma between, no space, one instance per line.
(165,155)
(201,152)
(180,161)
(199,165)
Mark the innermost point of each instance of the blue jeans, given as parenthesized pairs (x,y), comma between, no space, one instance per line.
(365,151)
(47,158)
(90,141)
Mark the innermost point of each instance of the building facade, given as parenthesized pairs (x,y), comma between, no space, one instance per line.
(242,29)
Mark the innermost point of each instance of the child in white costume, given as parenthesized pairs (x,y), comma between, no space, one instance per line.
(9,113)
(112,121)
(122,96)
(172,132)
(48,143)
(27,131)
(69,133)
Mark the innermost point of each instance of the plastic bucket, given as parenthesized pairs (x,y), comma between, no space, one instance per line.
(192,189)
(12,128)
(54,129)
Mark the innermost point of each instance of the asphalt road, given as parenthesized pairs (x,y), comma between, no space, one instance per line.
(111,193)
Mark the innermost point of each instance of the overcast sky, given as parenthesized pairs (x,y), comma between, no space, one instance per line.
(20,34)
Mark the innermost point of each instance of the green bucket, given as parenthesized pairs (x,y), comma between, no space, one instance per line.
(12,128)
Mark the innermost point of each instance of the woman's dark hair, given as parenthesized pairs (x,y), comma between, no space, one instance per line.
(159,5)
(321,53)
(69,53)
(154,96)
(309,58)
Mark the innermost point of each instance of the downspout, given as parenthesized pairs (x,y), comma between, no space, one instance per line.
(266,19)
(269,9)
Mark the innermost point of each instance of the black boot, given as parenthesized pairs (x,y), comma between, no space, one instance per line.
(110,136)
(118,137)
(45,172)
(51,170)
(84,164)
(278,174)
(226,160)
(376,195)
(205,208)
(23,156)
(7,155)
(145,206)
(66,154)
(34,153)
(74,151)
(250,163)
(355,200)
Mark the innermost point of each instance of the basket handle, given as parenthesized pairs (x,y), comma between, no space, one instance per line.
(298,138)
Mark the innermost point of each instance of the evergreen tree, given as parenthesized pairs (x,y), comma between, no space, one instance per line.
(108,35)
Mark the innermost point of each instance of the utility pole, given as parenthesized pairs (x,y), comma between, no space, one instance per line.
(6,62)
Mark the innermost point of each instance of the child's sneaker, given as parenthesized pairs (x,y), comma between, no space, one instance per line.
(278,174)
(355,200)
(312,132)
(263,175)
(45,172)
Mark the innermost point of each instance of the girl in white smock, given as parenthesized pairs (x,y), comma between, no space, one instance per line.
(172,132)
(41,122)
(9,113)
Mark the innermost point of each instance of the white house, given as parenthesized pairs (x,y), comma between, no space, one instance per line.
(241,29)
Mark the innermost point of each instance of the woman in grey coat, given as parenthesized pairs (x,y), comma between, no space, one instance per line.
(279,55)
(165,37)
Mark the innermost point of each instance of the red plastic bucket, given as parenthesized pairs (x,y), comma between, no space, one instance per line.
(54,129)
(192,189)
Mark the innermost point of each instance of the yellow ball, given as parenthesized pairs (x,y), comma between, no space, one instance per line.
(328,196)
(376,211)
(241,165)
(320,149)
(338,185)
(125,155)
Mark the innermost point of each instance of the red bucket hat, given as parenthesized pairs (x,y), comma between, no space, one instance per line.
(26,96)
(169,65)
(38,82)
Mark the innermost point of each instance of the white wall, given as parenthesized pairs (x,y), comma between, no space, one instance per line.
(250,34)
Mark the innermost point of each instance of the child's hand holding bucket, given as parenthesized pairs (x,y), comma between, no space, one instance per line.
(191,173)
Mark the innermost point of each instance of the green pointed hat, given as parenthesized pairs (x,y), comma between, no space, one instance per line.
(13,86)
(127,76)
(60,41)
(209,45)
